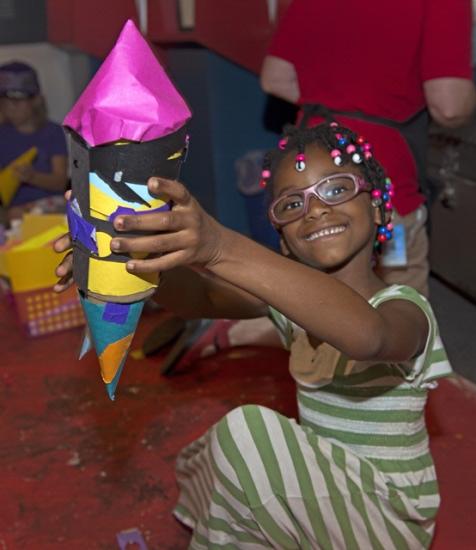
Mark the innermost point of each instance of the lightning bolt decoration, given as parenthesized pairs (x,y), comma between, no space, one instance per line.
(129,124)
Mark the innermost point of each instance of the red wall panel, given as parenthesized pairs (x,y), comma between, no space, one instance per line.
(60,21)
(236,29)
(91,25)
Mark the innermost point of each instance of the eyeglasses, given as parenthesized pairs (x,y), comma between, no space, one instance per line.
(332,190)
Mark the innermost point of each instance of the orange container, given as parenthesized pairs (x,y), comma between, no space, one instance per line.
(43,311)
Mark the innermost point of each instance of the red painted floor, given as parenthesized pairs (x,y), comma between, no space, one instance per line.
(77,468)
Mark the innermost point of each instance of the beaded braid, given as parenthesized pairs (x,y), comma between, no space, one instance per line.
(344,147)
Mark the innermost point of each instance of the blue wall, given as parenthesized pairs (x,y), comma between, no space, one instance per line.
(228,108)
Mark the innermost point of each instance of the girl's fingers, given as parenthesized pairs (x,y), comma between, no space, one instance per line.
(154,265)
(67,194)
(65,272)
(173,189)
(65,268)
(63,243)
(159,221)
(154,244)
(64,283)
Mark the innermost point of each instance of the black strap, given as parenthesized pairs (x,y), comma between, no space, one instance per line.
(414,130)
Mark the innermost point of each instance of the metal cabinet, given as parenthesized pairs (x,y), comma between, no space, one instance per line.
(452,169)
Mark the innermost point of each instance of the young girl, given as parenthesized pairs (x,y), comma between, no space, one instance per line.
(25,125)
(356,472)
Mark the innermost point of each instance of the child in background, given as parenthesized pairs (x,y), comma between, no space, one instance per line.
(356,472)
(25,125)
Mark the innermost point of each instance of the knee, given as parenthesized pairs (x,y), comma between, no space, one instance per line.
(236,431)
(241,417)
(240,420)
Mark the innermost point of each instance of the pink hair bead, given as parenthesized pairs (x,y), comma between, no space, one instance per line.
(391,192)
(266,174)
(333,124)
(335,153)
(367,155)
(366,147)
(282,143)
(350,149)
(376,194)
(390,226)
(300,157)
(388,205)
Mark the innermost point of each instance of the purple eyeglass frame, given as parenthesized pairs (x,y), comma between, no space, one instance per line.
(360,184)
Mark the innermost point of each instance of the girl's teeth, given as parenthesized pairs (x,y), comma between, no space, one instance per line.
(325,232)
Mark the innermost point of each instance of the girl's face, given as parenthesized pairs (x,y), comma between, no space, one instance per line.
(326,237)
(18,111)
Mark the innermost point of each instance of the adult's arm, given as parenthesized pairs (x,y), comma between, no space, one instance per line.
(279,78)
(451,101)
(446,64)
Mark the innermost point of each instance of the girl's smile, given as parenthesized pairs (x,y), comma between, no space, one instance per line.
(329,231)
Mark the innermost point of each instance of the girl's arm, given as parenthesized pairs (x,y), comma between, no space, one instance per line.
(195,294)
(325,307)
(55,180)
(190,293)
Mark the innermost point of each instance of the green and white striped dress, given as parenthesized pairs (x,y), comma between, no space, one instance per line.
(356,473)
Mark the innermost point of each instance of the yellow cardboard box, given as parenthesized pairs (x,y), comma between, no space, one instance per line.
(31,264)
(30,267)
(32,225)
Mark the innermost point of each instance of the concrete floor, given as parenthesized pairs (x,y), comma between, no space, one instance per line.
(457,319)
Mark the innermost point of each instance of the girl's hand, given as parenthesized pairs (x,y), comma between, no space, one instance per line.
(65,268)
(185,235)
(25,173)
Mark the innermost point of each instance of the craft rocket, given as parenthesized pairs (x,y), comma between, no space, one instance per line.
(129,124)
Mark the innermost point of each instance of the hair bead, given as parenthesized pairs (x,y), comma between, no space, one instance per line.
(300,162)
(336,155)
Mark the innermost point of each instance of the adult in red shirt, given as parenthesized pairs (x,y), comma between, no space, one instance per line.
(388,64)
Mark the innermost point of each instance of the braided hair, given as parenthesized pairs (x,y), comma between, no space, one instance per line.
(344,147)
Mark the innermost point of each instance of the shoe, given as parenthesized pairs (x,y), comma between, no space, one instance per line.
(162,335)
(199,336)
(193,330)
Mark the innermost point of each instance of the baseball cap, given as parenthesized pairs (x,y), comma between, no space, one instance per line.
(18,81)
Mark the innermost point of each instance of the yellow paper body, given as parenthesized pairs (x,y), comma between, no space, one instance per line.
(103,206)
(9,181)
(112,279)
